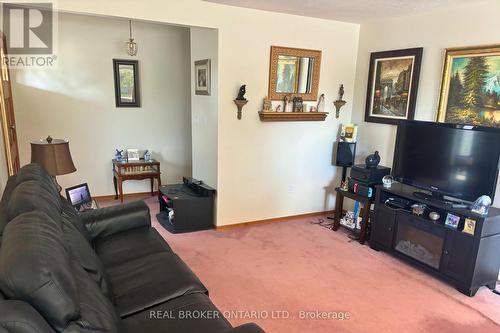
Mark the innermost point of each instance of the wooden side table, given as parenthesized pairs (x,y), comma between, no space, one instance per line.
(339,202)
(135,170)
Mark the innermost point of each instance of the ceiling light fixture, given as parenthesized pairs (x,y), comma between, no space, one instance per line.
(131,45)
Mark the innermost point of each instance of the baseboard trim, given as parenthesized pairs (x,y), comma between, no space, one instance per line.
(273,220)
(125,195)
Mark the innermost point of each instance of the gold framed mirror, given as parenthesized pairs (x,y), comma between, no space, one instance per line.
(294,72)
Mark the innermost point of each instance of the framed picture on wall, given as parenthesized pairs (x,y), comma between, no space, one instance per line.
(392,85)
(127,93)
(202,77)
(470,87)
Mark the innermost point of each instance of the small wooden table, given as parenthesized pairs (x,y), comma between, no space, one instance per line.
(135,170)
(339,202)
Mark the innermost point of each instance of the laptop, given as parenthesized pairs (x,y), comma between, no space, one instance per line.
(80,198)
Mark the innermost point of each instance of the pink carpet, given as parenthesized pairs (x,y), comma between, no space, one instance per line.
(297,266)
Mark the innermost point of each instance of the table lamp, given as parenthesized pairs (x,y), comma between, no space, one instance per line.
(54,156)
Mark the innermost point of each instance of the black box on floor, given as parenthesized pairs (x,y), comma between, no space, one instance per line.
(186,207)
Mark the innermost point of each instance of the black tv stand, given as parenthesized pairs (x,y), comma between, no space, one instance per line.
(429,196)
(438,198)
(468,261)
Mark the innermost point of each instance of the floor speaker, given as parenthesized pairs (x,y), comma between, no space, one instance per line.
(346,152)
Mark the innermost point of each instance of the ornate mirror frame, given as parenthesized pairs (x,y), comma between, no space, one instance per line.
(290,51)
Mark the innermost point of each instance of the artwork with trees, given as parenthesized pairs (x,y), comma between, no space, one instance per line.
(472,95)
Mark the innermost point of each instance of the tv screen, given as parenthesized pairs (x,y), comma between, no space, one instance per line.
(454,160)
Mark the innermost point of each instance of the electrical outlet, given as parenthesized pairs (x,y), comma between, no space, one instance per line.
(290,188)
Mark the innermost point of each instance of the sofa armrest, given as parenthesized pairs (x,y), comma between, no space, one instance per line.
(246,328)
(107,221)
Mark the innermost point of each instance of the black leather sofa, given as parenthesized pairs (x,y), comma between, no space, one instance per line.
(106,270)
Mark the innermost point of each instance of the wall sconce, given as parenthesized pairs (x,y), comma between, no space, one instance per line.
(241,101)
(339,103)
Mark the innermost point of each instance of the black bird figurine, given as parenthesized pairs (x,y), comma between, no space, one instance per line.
(241,93)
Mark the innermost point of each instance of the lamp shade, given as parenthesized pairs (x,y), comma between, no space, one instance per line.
(53,155)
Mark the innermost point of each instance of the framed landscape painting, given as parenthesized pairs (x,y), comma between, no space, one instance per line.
(202,77)
(392,85)
(470,88)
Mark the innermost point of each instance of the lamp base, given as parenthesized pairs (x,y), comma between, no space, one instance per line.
(59,187)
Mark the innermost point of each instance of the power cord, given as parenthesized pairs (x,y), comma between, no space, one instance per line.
(322,223)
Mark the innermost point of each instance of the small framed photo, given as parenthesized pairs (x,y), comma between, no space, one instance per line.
(133,154)
(469,226)
(392,85)
(127,93)
(349,133)
(452,221)
(203,76)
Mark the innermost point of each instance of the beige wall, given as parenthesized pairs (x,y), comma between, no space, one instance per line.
(204,109)
(265,170)
(76,100)
(477,24)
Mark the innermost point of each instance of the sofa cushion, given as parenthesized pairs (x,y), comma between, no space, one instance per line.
(35,268)
(145,282)
(97,314)
(116,249)
(33,195)
(20,317)
(34,171)
(167,317)
(81,250)
(70,214)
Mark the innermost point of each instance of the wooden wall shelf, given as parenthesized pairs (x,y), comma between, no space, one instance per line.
(292,116)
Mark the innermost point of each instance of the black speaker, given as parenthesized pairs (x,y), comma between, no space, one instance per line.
(346,151)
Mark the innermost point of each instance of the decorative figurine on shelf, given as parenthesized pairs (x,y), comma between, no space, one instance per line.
(418,209)
(482,205)
(434,216)
(387,181)
(298,105)
(119,155)
(321,103)
(288,104)
(241,93)
(313,109)
(278,108)
(147,156)
(341,93)
(339,103)
(372,160)
(267,105)
(241,101)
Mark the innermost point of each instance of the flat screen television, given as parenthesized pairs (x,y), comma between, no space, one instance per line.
(459,161)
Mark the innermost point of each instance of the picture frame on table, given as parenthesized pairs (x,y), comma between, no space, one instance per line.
(470,86)
(133,155)
(203,77)
(393,79)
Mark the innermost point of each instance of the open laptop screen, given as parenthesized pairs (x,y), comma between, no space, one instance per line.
(79,194)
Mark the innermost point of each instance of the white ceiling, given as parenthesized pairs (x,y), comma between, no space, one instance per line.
(346,10)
